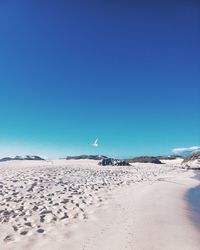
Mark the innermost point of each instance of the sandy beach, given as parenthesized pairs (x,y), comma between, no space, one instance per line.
(99,131)
(77,204)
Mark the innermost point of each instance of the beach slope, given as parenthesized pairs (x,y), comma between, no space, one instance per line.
(79,205)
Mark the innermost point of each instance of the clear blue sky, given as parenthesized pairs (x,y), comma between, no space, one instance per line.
(125,72)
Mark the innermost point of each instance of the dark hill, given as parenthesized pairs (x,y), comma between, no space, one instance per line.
(20,158)
(146,159)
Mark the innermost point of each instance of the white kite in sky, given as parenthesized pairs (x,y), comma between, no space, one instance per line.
(95,144)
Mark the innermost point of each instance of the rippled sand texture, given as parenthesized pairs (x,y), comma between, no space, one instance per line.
(37,198)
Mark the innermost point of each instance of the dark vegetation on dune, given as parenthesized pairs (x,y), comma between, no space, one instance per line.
(113,162)
(194,156)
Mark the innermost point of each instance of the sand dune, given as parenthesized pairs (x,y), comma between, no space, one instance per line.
(80,205)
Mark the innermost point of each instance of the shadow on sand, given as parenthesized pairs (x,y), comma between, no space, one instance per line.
(193,196)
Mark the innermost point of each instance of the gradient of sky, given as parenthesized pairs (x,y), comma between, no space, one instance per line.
(127,72)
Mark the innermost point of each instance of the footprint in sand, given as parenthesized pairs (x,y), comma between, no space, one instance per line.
(9,238)
(40,230)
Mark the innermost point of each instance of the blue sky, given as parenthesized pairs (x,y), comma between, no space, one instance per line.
(125,72)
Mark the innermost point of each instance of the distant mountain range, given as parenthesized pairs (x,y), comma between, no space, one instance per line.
(154,159)
(145,159)
(170,157)
(86,157)
(27,157)
(141,159)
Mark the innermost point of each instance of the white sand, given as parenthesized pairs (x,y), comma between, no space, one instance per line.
(80,205)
